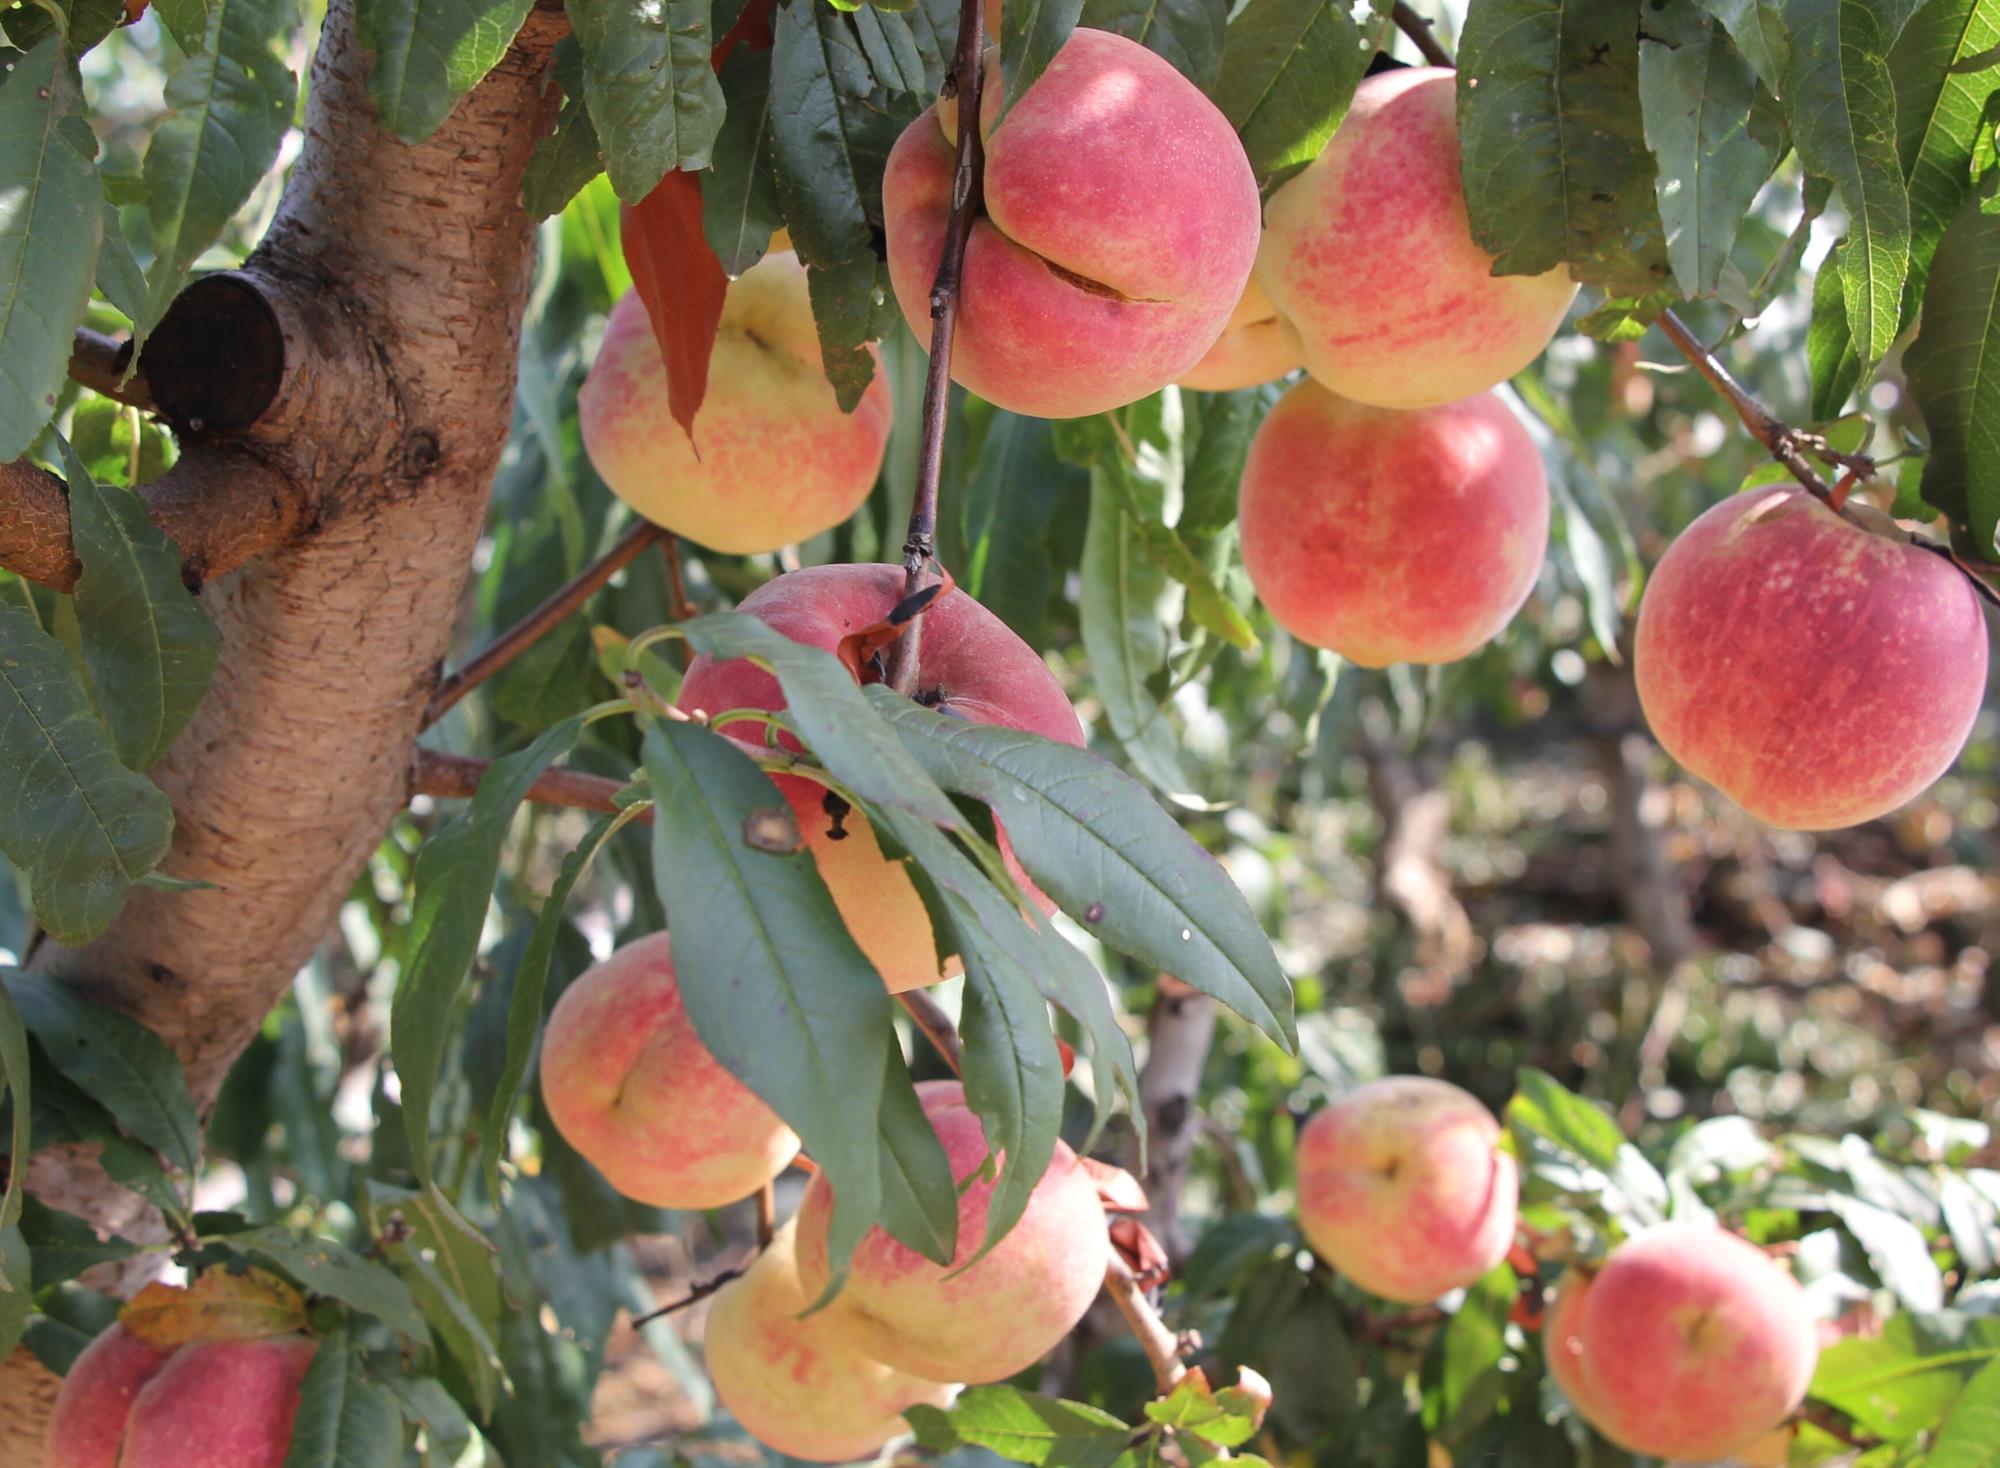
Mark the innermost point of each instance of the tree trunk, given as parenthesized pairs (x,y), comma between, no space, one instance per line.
(397,276)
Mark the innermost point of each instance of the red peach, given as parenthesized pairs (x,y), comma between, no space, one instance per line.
(1369,258)
(630,1086)
(1392,537)
(1252,349)
(1119,227)
(1403,1188)
(1817,673)
(799,1382)
(970,664)
(773,461)
(1562,1352)
(1690,1343)
(986,1322)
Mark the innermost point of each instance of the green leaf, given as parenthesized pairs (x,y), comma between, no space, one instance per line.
(891,49)
(1023,1426)
(14,1086)
(50,231)
(852,305)
(1941,120)
(119,278)
(346,1419)
(323,1267)
(1193,1407)
(1841,104)
(1969,1437)
(427,1405)
(109,436)
(554,678)
(1008,508)
(1095,841)
(64,1244)
(1901,1382)
(1830,359)
(1897,1251)
(453,1278)
(778,991)
(230,103)
(1566,1141)
(524,1007)
(650,87)
(831,131)
(1031,32)
(1188,33)
(17,1284)
(919,1195)
(1758,28)
(1953,370)
(1289,72)
(116,1061)
(1163,546)
(87,22)
(739,199)
(453,883)
(148,644)
(570,155)
(1701,103)
(1549,110)
(430,53)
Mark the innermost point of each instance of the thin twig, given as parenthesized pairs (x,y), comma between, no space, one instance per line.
(524,634)
(1377,1329)
(935,1025)
(456,777)
(679,607)
(1777,437)
(1836,1425)
(767,1216)
(968,70)
(1162,1347)
(1418,29)
(98,362)
(695,1292)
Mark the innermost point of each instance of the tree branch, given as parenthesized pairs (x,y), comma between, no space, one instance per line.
(1779,439)
(1162,1347)
(524,634)
(222,506)
(935,1025)
(1419,29)
(456,777)
(968,70)
(98,362)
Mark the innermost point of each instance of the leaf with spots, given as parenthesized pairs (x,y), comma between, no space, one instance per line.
(650,87)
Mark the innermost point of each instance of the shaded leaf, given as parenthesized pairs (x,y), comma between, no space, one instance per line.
(919,1195)
(1188,33)
(739,198)
(346,1419)
(17,1283)
(1953,370)
(430,53)
(14,1086)
(324,1267)
(650,87)
(453,1278)
(1288,74)
(64,1244)
(571,155)
(1031,32)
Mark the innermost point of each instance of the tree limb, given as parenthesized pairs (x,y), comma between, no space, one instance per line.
(1419,29)
(98,362)
(456,777)
(1162,1347)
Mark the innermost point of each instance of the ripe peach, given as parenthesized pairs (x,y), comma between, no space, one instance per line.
(1818,674)
(997,1317)
(970,664)
(207,1404)
(1252,349)
(1368,256)
(1392,537)
(1562,1352)
(797,1382)
(1403,1188)
(1119,227)
(773,461)
(630,1086)
(1689,1343)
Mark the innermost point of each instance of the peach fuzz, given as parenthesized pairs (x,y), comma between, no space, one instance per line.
(1368,256)
(208,1404)
(986,1322)
(1119,226)
(795,1381)
(970,664)
(1392,537)
(630,1085)
(1817,673)
(1403,1188)
(1690,1344)
(773,461)
(1252,349)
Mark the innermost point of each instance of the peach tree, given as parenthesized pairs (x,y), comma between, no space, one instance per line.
(618,619)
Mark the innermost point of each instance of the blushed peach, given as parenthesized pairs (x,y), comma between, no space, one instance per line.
(798,1382)
(773,460)
(1119,227)
(1817,673)
(986,1322)
(970,664)
(1368,256)
(1252,349)
(630,1085)
(1389,536)
(1690,1344)
(1403,1188)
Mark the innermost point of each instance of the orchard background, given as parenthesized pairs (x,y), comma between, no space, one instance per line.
(280,978)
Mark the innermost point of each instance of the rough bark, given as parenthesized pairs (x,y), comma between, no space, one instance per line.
(398,275)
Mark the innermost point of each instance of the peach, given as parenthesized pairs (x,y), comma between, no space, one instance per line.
(797,1382)
(988,1321)
(1389,536)
(1252,349)
(773,460)
(970,664)
(630,1085)
(206,1404)
(1689,1343)
(1368,256)
(1818,673)
(1403,1188)
(1562,1352)
(1119,227)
